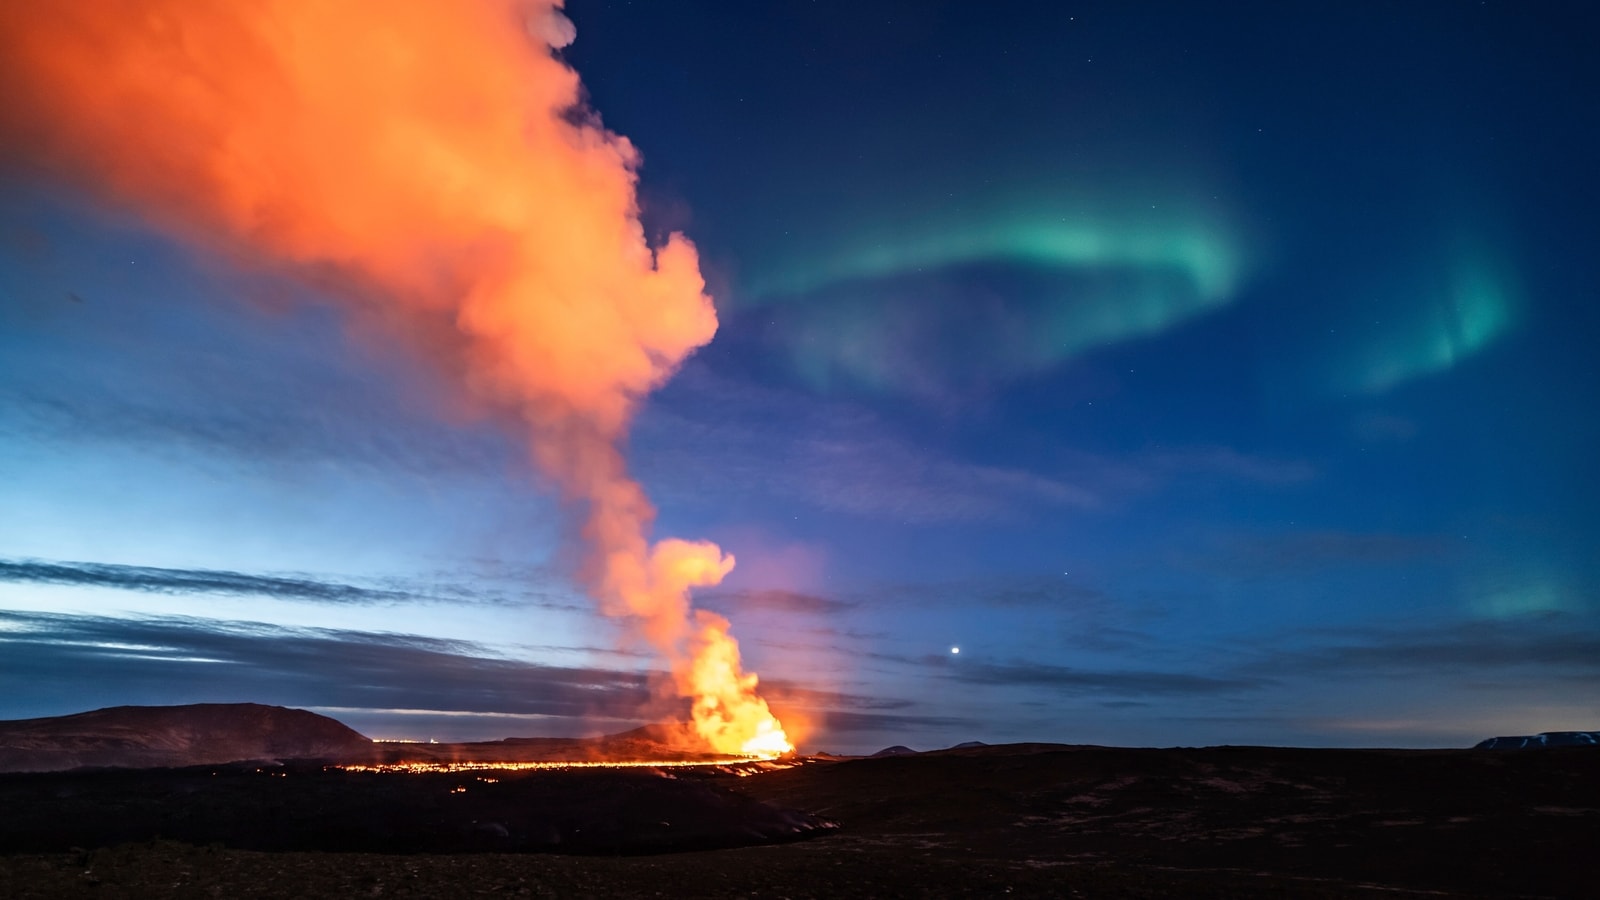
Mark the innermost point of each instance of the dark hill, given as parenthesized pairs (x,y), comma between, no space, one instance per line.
(1542,741)
(896,750)
(157,736)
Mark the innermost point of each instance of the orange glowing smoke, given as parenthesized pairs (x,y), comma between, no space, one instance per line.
(427,157)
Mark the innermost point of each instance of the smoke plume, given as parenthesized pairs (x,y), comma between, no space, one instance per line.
(435,158)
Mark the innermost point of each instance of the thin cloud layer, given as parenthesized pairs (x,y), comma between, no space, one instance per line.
(1099,682)
(1544,643)
(71,659)
(1300,552)
(216,582)
(838,457)
(192,581)
(776,600)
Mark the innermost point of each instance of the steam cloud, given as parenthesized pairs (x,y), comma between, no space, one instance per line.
(433,159)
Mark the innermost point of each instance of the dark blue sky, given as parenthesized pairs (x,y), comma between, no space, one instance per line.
(1205,376)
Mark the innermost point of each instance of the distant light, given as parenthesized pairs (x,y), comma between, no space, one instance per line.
(955,649)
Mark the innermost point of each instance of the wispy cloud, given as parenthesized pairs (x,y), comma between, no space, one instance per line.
(1094,681)
(1010,592)
(828,455)
(790,693)
(69,659)
(837,722)
(1548,643)
(237,414)
(838,457)
(1231,463)
(1299,552)
(874,476)
(774,600)
(224,583)
(191,581)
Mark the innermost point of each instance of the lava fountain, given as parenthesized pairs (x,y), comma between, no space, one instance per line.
(433,165)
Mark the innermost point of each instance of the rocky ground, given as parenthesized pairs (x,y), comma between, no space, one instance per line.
(1021,820)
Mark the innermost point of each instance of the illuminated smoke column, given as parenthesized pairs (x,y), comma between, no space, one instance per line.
(427,158)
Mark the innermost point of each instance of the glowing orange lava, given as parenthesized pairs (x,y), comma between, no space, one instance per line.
(737,766)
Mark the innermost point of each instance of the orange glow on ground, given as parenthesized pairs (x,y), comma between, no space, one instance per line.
(737,766)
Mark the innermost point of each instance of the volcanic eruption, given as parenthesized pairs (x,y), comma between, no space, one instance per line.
(433,166)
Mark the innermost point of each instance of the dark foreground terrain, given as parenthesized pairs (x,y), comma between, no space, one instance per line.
(1019,820)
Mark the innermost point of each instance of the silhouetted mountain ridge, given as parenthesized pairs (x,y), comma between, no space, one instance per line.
(902,750)
(166,736)
(1542,740)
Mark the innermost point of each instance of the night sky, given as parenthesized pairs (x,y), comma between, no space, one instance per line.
(1206,373)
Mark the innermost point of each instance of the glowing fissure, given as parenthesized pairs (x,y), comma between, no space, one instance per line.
(424,161)
(739,767)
